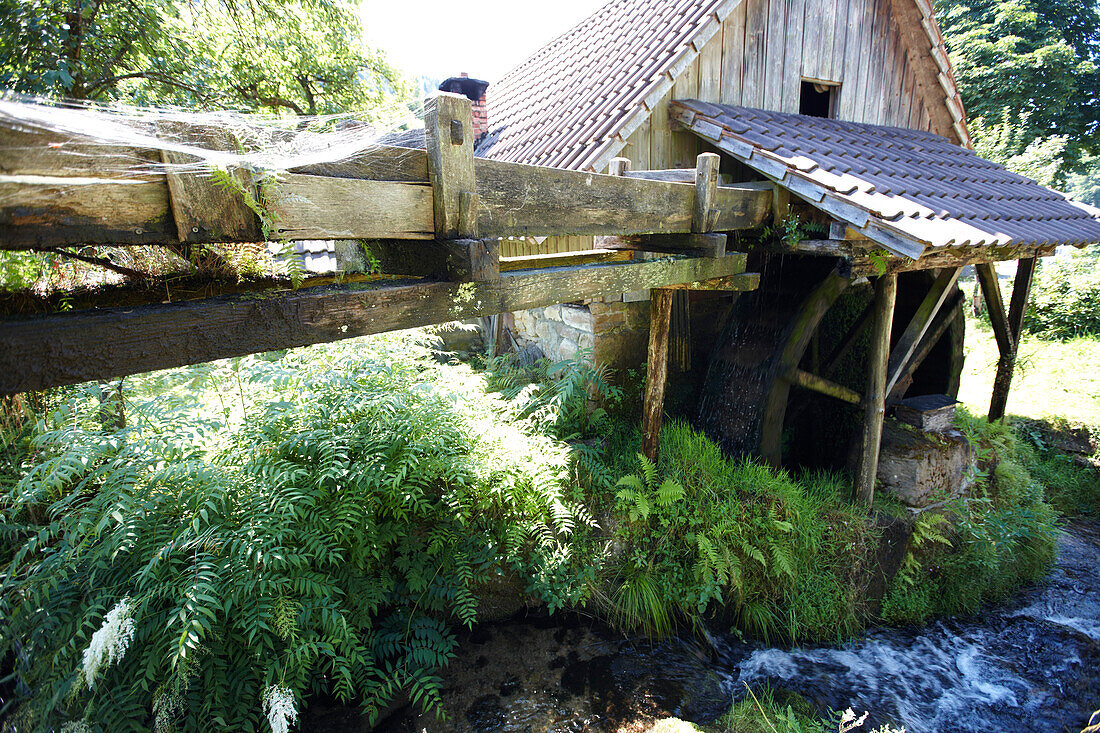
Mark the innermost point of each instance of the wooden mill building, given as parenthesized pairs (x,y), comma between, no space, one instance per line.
(850,109)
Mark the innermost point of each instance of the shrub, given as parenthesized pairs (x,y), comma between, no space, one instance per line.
(320,530)
(987,545)
(704,531)
(1065,300)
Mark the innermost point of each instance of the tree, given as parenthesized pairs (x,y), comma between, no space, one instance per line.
(298,56)
(1028,72)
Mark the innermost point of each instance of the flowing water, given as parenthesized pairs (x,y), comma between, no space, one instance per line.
(1032,664)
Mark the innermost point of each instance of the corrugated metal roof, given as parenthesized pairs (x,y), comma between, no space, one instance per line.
(906,189)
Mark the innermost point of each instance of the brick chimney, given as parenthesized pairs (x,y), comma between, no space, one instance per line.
(474,89)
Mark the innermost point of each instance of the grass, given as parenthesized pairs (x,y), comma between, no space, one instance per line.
(1053,379)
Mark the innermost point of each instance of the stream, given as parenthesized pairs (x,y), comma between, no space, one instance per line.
(1030,664)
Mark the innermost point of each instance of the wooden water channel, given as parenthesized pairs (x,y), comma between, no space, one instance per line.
(434,218)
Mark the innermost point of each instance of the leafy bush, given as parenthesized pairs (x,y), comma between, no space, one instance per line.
(319,530)
(1065,300)
(1003,535)
(700,531)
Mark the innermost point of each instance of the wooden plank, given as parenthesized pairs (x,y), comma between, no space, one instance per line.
(562,259)
(815,383)
(318,207)
(42,352)
(529,200)
(653,406)
(449,137)
(741,207)
(457,260)
(942,289)
(851,63)
(684,146)
(862,266)
(828,38)
(204,210)
(705,212)
(696,245)
(812,40)
(46,211)
(874,397)
(792,63)
(840,40)
(1006,364)
(660,136)
(744,282)
(774,53)
(638,144)
(710,70)
(991,290)
(671,175)
(756,29)
(733,54)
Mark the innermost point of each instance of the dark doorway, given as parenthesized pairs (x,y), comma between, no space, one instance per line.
(816,99)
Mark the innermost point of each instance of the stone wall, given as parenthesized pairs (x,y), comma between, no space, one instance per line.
(615,332)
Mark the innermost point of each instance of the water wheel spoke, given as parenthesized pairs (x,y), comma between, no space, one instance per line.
(807,380)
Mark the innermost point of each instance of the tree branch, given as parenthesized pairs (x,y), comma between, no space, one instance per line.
(101,262)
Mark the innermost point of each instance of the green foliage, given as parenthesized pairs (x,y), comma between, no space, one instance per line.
(705,531)
(1065,300)
(300,56)
(986,545)
(792,230)
(320,527)
(1031,66)
(559,397)
(1071,488)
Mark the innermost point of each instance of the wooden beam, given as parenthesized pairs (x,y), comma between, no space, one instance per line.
(781,204)
(939,327)
(562,259)
(697,245)
(704,214)
(732,284)
(942,289)
(320,207)
(202,210)
(458,260)
(991,291)
(618,167)
(874,397)
(653,406)
(1006,363)
(68,348)
(813,382)
(449,140)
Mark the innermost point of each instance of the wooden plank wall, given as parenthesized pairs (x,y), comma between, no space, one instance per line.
(766,48)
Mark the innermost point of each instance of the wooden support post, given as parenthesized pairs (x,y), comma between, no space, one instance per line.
(1006,363)
(939,327)
(781,203)
(991,290)
(874,397)
(618,166)
(449,137)
(705,215)
(653,406)
(937,295)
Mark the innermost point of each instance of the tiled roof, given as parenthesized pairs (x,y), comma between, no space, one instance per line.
(564,106)
(573,102)
(905,189)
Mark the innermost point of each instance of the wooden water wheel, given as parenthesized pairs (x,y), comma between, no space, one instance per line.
(786,376)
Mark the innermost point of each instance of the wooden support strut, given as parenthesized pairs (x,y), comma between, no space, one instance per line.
(1006,363)
(653,406)
(937,295)
(449,139)
(874,398)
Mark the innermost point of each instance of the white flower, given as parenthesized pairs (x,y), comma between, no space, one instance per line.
(280,708)
(109,644)
(849,721)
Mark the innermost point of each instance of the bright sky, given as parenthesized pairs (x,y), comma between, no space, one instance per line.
(484,38)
